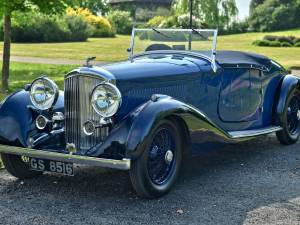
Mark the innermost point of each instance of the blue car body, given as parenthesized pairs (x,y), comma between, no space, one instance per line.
(243,98)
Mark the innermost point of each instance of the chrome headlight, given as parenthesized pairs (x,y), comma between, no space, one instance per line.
(43,93)
(106,99)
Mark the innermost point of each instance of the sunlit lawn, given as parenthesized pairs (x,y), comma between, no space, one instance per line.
(114,49)
(24,73)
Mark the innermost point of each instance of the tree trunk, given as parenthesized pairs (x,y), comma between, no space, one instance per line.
(6,51)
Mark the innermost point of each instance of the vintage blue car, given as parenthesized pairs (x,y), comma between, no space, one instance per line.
(174,95)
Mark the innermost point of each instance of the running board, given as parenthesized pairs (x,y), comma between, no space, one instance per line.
(253,133)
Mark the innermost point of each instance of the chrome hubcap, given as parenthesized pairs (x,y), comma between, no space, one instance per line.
(169,156)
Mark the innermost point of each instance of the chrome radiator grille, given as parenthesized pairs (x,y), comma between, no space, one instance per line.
(78,110)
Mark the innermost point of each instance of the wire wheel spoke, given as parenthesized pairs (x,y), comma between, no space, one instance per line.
(292,115)
(161,156)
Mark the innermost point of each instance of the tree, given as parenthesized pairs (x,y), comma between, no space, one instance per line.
(254,4)
(216,13)
(7,7)
(95,6)
(275,15)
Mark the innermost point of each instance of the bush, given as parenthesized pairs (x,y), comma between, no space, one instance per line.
(79,29)
(261,43)
(289,39)
(296,40)
(121,21)
(155,21)
(275,44)
(101,26)
(286,39)
(286,44)
(270,38)
(297,44)
(36,27)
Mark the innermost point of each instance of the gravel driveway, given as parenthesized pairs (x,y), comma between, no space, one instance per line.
(256,182)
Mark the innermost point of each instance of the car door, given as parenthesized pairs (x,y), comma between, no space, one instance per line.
(240,95)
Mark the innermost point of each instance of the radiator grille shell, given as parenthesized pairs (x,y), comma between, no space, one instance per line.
(78,110)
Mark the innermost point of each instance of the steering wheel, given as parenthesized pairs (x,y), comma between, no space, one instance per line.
(155,47)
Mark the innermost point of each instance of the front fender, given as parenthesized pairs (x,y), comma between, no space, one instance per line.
(163,107)
(129,137)
(288,84)
(17,118)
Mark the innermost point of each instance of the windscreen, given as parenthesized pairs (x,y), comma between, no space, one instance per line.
(144,40)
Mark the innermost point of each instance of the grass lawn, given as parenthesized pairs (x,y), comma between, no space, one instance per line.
(114,49)
(24,73)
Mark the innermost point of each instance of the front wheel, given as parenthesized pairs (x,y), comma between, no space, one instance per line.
(154,173)
(18,166)
(291,120)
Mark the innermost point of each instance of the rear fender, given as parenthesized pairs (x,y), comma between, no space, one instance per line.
(288,84)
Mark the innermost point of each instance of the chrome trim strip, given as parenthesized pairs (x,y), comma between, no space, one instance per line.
(253,133)
(123,164)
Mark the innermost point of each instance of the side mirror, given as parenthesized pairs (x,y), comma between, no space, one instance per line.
(128,50)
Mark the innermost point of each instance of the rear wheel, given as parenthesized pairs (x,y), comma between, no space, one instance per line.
(154,173)
(291,121)
(18,166)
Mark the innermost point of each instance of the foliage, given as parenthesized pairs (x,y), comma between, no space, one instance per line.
(37,27)
(261,43)
(155,21)
(121,20)
(235,27)
(297,44)
(6,9)
(25,73)
(184,21)
(254,4)
(275,15)
(80,30)
(286,44)
(114,49)
(179,21)
(49,6)
(275,44)
(101,26)
(289,39)
(98,6)
(218,13)
(277,41)
(296,40)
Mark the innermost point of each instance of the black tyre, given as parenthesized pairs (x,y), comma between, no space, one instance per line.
(291,120)
(18,167)
(155,171)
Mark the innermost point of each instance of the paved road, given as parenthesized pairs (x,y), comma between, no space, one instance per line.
(257,182)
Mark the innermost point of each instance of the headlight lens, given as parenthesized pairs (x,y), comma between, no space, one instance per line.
(106,99)
(43,93)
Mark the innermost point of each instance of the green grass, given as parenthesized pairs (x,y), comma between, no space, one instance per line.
(114,49)
(24,73)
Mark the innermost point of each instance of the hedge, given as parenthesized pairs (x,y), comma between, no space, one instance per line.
(278,41)
(36,27)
